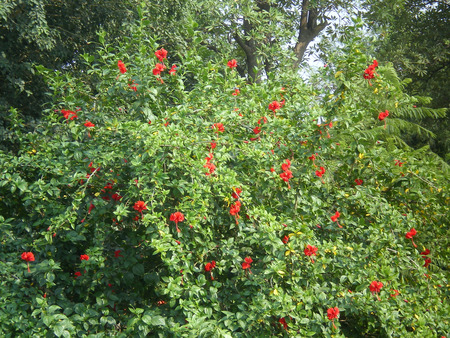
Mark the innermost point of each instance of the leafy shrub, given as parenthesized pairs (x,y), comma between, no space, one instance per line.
(72,190)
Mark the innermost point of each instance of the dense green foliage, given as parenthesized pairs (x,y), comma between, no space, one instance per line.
(152,143)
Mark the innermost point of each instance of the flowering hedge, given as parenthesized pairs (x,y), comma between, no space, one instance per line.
(189,202)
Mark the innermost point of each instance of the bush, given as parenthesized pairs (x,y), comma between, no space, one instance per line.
(254,190)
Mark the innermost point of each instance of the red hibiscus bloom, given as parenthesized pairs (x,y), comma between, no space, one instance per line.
(77,274)
(410,234)
(232,64)
(247,263)
(140,206)
(173,70)
(358,181)
(235,208)
(425,253)
(310,250)
(286,166)
(335,217)
(121,66)
(282,321)
(286,175)
(209,267)
(84,257)
(257,130)
(218,127)
(427,262)
(177,217)
(274,106)
(89,124)
(312,157)
(272,169)
(68,114)
(332,314)
(395,294)
(90,208)
(116,197)
(159,67)
(370,71)
(397,162)
(28,257)
(375,287)
(285,239)
(211,167)
(264,119)
(117,253)
(237,192)
(213,145)
(383,115)
(236,92)
(161,54)
(320,173)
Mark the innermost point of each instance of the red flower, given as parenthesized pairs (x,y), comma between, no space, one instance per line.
(208,267)
(310,250)
(397,162)
(274,106)
(272,169)
(236,193)
(395,294)
(211,167)
(84,257)
(177,217)
(335,217)
(358,181)
(89,124)
(332,313)
(375,287)
(285,239)
(282,321)
(28,257)
(68,114)
(213,145)
(173,70)
(90,208)
(133,85)
(286,166)
(140,206)
(232,64)
(425,253)
(117,253)
(427,262)
(116,197)
(383,115)
(410,234)
(218,127)
(312,157)
(264,119)
(121,66)
(369,72)
(235,208)
(77,274)
(320,172)
(161,54)
(257,130)
(159,67)
(236,92)
(286,175)
(247,263)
